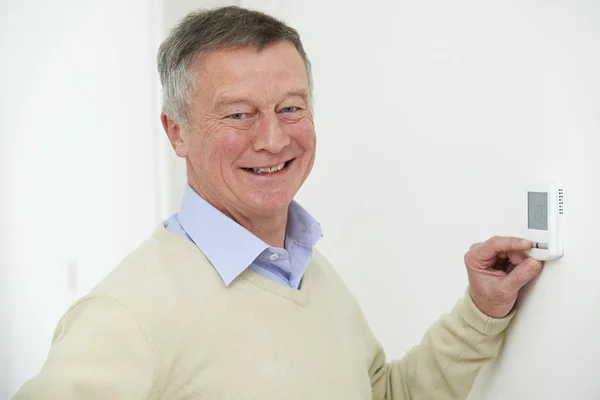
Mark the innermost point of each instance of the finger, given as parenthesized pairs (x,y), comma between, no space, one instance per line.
(509,268)
(523,273)
(474,245)
(501,244)
(517,257)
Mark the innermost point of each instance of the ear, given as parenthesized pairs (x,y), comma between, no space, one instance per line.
(174,132)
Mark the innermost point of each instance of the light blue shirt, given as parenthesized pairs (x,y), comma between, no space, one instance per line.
(231,248)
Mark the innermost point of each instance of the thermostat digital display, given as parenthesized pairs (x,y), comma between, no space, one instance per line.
(544,225)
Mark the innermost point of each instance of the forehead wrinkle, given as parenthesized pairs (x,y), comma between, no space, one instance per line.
(218,61)
(246,87)
(229,96)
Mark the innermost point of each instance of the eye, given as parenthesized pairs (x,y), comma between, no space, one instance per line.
(289,109)
(238,116)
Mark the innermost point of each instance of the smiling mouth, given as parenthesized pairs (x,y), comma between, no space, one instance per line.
(271,169)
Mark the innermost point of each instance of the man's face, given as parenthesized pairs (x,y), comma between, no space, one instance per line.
(252,142)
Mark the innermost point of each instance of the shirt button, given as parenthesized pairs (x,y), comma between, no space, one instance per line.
(274,257)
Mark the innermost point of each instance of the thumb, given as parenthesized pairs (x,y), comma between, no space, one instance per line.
(523,273)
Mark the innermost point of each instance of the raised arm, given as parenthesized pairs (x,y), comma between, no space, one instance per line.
(446,362)
(452,352)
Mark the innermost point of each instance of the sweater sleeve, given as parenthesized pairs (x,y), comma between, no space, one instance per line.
(445,364)
(100,350)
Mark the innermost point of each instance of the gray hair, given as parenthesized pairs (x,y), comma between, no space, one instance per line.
(203,31)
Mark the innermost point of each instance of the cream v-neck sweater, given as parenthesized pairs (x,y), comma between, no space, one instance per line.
(163,325)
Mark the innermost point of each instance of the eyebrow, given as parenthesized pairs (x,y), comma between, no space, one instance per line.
(296,93)
(226,100)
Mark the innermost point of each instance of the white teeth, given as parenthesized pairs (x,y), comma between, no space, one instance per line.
(267,170)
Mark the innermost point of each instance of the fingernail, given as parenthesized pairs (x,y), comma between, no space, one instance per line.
(526,242)
(533,263)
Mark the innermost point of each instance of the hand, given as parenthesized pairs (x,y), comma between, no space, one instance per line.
(498,269)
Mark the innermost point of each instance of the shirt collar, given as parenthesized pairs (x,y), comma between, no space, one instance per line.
(230,247)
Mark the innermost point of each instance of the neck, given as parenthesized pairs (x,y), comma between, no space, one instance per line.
(268,228)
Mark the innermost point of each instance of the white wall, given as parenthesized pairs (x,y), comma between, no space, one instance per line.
(79,122)
(432,116)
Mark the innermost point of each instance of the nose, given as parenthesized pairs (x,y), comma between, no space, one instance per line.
(270,135)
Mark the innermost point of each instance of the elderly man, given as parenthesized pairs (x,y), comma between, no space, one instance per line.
(228,299)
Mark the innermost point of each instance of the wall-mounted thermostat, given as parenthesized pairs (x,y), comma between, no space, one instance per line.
(545,214)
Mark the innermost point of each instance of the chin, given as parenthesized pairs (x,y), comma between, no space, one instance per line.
(267,207)
(265,204)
